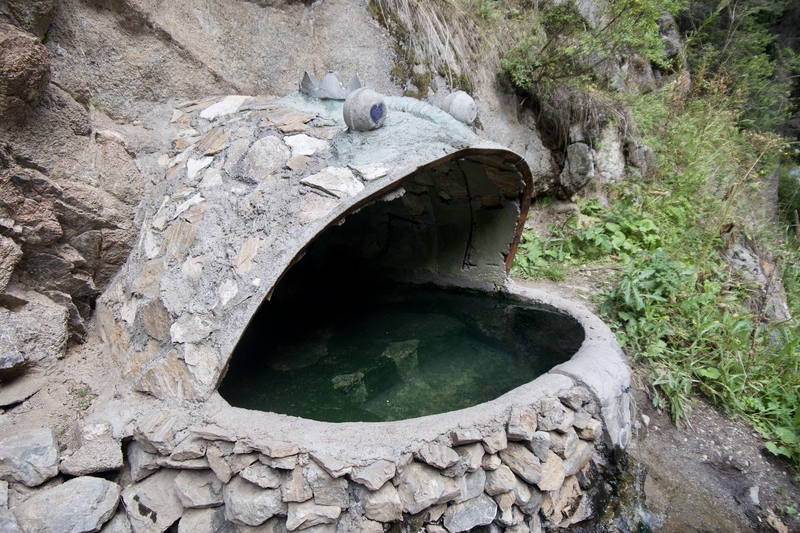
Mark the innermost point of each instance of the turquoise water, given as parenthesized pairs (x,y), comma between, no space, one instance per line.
(392,353)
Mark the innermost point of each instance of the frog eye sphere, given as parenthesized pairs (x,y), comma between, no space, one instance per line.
(364,110)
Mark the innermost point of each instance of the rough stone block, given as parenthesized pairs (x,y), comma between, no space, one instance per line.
(522,423)
(206,521)
(198,489)
(295,487)
(437,455)
(374,475)
(262,475)
(472,485)
(495,441)
(80,504)
(307,514)
(552,473)
(420,487)
(327,490)
(499,481)
(579,458)
(522,462)
(250,505)
(383,505)
(467,515)
(142,463)
(98,452)
(152,505)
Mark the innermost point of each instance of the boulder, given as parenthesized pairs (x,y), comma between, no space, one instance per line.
(79,505)
(24,73)
(152,505)
(198,489)
(464,516)
(30,458)
(249,504)
(32,333)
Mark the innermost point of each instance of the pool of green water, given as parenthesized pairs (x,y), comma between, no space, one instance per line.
(393,353)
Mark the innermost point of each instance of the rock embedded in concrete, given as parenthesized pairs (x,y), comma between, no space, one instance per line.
(8,523)
(307,514)
(471,456)
(564,444)
(521,424)
(277,449)
(437,455)
(578,459)
(3,494)
(465,436)
(119,523)
(383,505)
(218,464)
(472,485)
(30,458)
(295,487)
(302,144)
(327,489)
(198,489)
(99,451)
(281,463)
(552,473)
(240,461)
(142,463)
(79,505)
(491,462)
(332,465)
(499,481)
(495,441)
(206,521)
(262,475)
(337,181)
(522,462)
(554,416)
(374,475)
(266,156)
(156,432)
(540,444)
(522,492)
(189,448)
(592,431)
(464,516)
(249,504)
(451,492)
(420,487)
(152,505)
(227,106)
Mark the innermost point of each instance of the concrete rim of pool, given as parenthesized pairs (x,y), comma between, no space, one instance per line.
(215,242)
